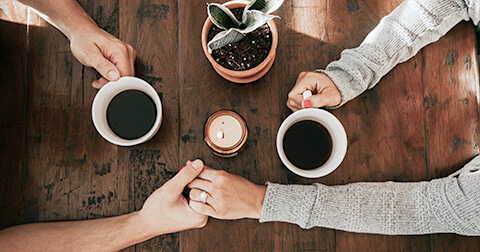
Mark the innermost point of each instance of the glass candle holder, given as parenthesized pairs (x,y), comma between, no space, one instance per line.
(225,133)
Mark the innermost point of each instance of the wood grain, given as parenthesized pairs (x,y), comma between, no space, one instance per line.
(451,114)
(202,92)
(13,44)
(151,28)
(420,122)
(72,173)
(382,124)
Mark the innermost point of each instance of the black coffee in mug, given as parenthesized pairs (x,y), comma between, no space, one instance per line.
(131,114)
(307,144)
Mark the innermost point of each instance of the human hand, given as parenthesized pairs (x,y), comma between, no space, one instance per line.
(228,196)
(97,48)
(325,92)
(166,210)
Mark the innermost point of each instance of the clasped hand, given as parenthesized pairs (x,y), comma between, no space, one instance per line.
(228,197)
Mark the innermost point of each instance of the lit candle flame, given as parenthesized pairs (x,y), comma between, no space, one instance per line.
(220,135)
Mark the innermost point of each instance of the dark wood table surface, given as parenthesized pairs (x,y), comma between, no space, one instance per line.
(420,122)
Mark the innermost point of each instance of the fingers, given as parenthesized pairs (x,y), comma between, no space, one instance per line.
(96,85)
(106,68)
(201,184)
(132,54)
(294,101)
(295,96)
(294,104)
(325,98)
(122,58)
(111,57)
(195,195)
(302,84)
(185,176)
(207,173)
(99,83)
(327,94)
(202,208)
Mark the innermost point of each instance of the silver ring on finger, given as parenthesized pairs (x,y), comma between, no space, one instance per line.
(203,197)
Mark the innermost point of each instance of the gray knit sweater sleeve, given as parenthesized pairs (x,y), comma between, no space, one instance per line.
(398,37)
(446,205)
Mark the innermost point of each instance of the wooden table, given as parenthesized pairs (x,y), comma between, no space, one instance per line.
(419,123)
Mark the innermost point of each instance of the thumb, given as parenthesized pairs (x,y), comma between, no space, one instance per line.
(106,68)
(186,175)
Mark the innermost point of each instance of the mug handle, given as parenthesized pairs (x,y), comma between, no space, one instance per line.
(306,94)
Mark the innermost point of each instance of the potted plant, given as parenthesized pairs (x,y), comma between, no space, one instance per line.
(240,38)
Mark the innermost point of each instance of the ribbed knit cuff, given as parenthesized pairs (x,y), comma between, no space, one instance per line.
(462,214)
(342,80)
(288,203)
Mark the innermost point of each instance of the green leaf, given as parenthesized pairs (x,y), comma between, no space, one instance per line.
(224,38)
(254,19)
(265,6)
(222,17)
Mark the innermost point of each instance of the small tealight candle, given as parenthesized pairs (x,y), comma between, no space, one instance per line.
(225,133)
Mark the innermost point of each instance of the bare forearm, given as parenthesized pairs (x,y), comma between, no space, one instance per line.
(67,15)
(108,234)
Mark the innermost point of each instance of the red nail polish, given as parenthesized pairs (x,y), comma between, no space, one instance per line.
(307,104)
(180,169)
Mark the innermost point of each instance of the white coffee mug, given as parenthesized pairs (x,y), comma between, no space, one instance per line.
(106,94)
(336,131)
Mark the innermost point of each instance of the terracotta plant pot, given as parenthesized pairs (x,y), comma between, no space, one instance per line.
(249,75)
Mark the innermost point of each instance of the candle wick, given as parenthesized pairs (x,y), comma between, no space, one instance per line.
(220,134)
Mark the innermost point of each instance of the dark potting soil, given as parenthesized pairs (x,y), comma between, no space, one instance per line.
(246,53)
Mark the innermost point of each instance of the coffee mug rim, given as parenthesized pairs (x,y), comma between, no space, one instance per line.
(108,92)
(335,129)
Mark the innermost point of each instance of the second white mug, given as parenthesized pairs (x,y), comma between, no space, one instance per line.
(334,128)
(105,96)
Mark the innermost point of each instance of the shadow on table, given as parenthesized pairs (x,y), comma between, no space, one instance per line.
(12,127)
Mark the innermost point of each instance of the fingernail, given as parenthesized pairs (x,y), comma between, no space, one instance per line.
(180,169)
(113,75)
(197,164)
(307,104)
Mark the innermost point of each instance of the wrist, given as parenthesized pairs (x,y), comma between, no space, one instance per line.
(87,28)
(257,204)
(140,225)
